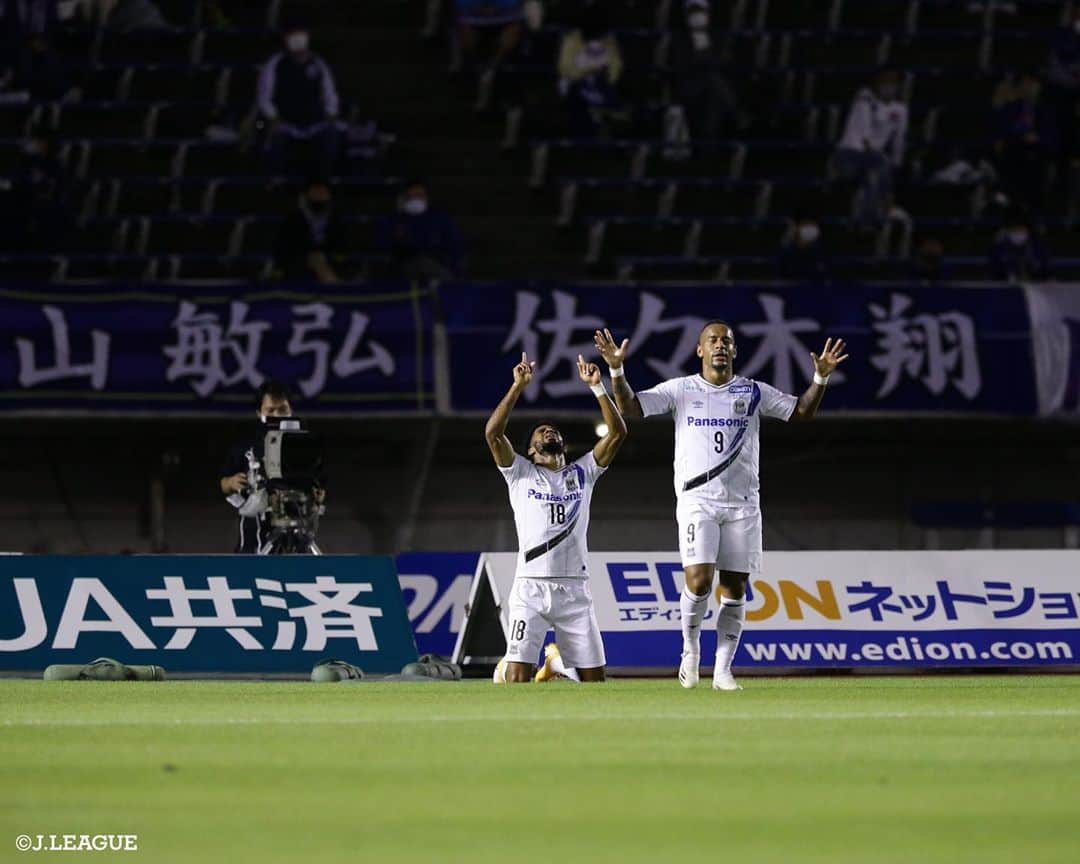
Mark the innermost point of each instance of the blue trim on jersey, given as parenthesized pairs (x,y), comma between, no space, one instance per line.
(754,400)
(733,451)
(581,485)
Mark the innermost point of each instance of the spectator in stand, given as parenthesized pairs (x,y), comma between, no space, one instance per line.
(424,241)
(133,16)
(701,88)
(803,255)
(310,237)
(489,32)
(29,59)
(1063,90)
(928,263)
(872,146)
(40,198)
(1025,140)
(1017,254)
(298,101)
(590,66)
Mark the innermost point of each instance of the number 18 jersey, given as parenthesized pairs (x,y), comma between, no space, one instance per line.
(551,513)
(716,434)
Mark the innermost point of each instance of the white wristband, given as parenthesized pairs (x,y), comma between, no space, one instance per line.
(599,391)
(822,380)
(617,372)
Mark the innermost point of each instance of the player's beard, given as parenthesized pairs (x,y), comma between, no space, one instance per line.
(550,448)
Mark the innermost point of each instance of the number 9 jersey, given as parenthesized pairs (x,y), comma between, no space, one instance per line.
(551,513)
(716,434)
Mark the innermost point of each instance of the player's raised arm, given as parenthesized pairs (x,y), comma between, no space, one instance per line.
(613,355)
(606,448)
(495,431)
(824,365)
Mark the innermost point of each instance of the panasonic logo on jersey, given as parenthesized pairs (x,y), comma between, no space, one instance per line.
(549,496)
(741,422)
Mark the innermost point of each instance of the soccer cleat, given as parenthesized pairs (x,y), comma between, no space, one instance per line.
(546,672)
(725,681)
(689,674)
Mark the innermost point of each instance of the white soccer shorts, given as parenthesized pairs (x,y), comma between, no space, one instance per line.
(729,537)
(565,605)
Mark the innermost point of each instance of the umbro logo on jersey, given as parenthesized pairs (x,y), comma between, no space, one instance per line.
(697,403)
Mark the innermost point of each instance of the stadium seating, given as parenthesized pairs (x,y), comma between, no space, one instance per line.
(151,177)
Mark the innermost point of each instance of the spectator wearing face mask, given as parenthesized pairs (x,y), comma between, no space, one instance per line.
(423,240)
(590,66)
(1018,254)
(872,146)
(1063,88)
(803,256)
(701,89)
(309,237)
(298,100)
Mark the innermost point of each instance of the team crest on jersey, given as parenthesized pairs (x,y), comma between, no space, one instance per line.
(571,481)
(740,407)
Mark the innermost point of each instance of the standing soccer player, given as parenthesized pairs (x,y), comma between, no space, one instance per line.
(717,418)
(551,512)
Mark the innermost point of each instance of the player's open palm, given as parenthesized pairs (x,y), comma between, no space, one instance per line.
(589,372)
(523,372)
(832,355)
(613,354)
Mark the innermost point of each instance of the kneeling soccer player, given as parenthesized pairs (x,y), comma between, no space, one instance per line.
(551,513)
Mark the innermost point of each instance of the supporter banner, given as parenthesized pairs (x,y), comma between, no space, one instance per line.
(1055,326)
(203,613)
(822,610)
(435,586)
(207,349)
(912,349)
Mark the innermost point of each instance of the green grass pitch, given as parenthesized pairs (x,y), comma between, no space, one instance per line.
(924,769)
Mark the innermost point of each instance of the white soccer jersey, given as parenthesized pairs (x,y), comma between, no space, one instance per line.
(716,434)
(551,512)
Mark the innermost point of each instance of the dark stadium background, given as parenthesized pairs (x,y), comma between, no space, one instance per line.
(150,198)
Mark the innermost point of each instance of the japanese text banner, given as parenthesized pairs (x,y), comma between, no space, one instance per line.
(207,349)
(912,349)
(204,613)
(849,609)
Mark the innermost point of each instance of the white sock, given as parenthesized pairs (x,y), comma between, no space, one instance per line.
(499,676)
(693,610)
(568,671)
(729,624)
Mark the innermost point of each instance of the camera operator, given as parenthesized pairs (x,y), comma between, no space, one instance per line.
(243,480)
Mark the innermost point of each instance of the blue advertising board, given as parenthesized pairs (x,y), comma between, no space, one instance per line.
(840,610)
(435,586)
(203,613)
